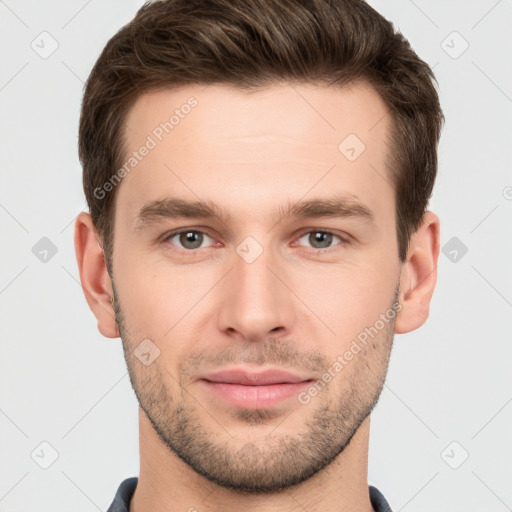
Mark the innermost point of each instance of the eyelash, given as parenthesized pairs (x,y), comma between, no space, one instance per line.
(343,240)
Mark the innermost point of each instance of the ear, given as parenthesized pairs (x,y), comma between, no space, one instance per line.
(419,275)
(94,277)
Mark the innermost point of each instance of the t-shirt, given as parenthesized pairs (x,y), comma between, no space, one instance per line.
(125,492)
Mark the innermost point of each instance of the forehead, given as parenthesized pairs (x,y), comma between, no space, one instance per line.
(305,112)
(226,144)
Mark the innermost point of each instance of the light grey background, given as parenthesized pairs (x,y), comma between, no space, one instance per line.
(62,383)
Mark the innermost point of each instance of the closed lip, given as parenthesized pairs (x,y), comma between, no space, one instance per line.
(262,378)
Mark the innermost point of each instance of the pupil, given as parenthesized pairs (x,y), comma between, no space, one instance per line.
(321,237)
(191,240)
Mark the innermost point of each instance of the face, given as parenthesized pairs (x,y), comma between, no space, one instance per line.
(287,262)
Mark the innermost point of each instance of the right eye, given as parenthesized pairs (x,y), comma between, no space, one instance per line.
(187,239)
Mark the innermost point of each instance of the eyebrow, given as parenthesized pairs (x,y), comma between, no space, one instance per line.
(171,208)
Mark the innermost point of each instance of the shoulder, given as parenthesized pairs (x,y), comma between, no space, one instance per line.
(379,503)
(123,495)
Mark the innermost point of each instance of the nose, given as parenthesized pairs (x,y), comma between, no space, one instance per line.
(255,304)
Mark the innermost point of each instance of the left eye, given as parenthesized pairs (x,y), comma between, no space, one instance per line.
(320,239)
(189,239)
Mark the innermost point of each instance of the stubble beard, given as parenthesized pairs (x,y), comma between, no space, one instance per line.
(278,460)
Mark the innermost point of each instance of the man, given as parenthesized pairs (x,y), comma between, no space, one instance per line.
(257,174)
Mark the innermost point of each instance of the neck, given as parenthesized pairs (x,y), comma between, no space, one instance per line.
(167,484)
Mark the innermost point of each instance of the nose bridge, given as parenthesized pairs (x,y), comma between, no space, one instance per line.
(254,301)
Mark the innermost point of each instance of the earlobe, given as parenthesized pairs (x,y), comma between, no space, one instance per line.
(419,275)
(94,277)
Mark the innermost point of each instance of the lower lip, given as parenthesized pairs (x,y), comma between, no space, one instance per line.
(255,397)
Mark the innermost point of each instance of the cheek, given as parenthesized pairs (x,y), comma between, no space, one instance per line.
(348,298)
(160,302)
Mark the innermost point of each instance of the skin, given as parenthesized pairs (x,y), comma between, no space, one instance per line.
(292,308)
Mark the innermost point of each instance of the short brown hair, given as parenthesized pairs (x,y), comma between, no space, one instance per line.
(251,44)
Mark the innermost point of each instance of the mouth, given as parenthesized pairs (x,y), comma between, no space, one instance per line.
(251,390)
